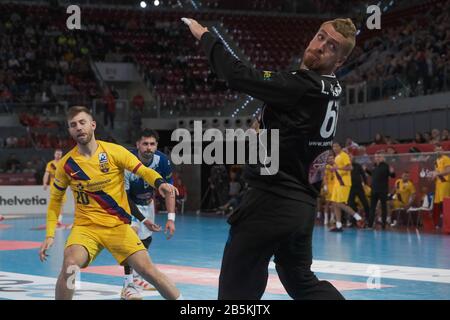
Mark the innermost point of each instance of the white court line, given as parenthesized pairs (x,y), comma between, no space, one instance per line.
(386,271)
(19,286)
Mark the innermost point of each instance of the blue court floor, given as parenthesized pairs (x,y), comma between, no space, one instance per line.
(362,264)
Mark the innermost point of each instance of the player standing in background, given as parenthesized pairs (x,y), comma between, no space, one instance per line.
(442,186)
(327,187)
(142,194)
(94,170)
(49,176)
(359,180)
(380,187)
(341,190)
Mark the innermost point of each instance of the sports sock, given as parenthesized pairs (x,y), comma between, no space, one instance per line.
(128,278)
(357,217)
(338,225)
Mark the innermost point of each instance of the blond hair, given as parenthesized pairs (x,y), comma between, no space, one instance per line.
(73,111)
(347,29)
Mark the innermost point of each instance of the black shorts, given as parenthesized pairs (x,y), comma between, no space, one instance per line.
(266,225)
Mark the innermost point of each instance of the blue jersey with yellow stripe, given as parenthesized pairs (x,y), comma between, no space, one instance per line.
(139,191)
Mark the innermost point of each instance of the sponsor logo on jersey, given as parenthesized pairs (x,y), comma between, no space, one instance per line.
(103,162)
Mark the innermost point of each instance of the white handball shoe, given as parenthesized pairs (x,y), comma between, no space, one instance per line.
(130,292)
(142,284)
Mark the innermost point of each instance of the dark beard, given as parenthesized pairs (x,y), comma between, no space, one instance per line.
(147,160)
(88,139)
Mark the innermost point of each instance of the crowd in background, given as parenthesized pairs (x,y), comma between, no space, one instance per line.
(412,53)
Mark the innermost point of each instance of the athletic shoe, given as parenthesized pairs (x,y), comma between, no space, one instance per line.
(336,229)
(130,292)
(394,224)
(142,284)
(349,224)
(360,223)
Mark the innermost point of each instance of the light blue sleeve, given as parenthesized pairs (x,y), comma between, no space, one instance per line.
(127,179)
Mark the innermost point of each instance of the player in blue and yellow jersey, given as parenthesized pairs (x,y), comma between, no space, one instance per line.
(94,170)
(141,194)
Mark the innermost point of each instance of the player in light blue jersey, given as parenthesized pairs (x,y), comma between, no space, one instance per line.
(141,195)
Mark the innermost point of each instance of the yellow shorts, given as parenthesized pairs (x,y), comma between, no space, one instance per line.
(340,194)
(121,240)
(442,191)
(329,194)
(396,205)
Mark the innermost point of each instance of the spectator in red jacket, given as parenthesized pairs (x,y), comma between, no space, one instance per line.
(445,135)
(138,102)
(110,108)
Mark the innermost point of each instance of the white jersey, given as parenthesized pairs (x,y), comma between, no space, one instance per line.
(147,211)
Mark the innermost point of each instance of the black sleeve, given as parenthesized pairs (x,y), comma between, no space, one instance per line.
(135,212)
(363,174)
(279,88)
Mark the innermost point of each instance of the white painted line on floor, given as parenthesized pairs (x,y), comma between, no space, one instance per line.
(385,271)
(19,286)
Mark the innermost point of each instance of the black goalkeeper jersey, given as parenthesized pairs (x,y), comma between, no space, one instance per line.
(302,105)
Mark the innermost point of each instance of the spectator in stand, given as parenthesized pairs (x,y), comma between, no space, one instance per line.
(379,139)
(47,123)
(445,135)
(12,165)
(138,102)
(390,140)
(29,168)
(45,140)
(110,108)
(351,146)
(23,142)
(363,157)
(182,192)
(435,136)
(34,121)
(391,151)
(6,98)
(427,137)
(418,138)
(12,142)
(235,191)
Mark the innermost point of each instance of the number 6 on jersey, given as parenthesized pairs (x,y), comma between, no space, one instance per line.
(328,127)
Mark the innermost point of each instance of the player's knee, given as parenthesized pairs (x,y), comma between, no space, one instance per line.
(70,268)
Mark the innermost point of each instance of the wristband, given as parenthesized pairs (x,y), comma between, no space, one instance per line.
(144,220)
(171,216)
